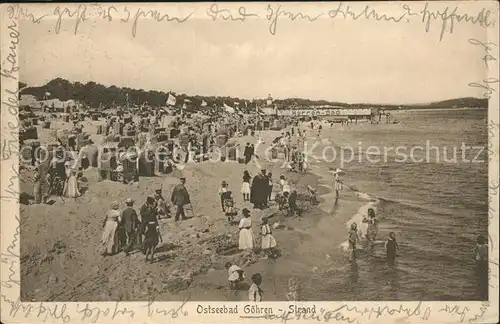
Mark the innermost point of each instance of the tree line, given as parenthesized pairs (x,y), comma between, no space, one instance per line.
(94,95)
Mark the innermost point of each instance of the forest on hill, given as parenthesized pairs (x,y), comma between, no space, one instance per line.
(94,94)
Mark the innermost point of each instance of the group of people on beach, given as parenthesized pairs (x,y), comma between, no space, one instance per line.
(126,230)
(259,193)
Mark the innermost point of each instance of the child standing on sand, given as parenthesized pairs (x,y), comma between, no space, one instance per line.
(245,187)
(391,248)
(229,206)
(271,185)
(222,194)
(255,293)
(236,275)
(338,182)
(285,187)
(312,195)
(268,241)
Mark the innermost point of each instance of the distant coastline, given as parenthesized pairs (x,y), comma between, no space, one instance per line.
(95,94)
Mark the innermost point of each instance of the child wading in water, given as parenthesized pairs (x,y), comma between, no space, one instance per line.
(353,239)
(229,206)
(152,237)
(268,241)
(255,293)
(481,250)
(236,275)
(391,248)
(481,256)
(372,230)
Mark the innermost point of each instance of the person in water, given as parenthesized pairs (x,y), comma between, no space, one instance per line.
(481,256)
(353,239)
(481,250)
(391,248)
(372,230)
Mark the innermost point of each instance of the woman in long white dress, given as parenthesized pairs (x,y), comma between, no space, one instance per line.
(108,239)
(71,185)
(246,239)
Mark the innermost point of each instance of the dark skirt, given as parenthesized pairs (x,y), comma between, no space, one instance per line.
(150,243)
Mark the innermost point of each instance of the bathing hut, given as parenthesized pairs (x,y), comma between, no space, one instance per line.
(129,162)
(107,162)
(147,163)
(65,117)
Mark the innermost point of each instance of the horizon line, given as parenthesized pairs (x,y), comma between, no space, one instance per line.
(245,99)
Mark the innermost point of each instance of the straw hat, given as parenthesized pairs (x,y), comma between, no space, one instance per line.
(114,205)
(129,201)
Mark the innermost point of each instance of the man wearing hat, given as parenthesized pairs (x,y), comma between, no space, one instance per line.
(130,223)
(180,197)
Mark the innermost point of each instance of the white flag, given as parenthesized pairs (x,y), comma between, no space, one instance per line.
(228,109)
(187,100)
(203,103)
(236,103)
(171,100)
(246,104)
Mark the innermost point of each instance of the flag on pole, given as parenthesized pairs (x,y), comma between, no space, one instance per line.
(187,100)
(246,104)
(228,109)
(171,100)
(236,103)
(203,103)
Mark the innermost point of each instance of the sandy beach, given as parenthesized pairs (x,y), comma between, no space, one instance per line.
(188,262)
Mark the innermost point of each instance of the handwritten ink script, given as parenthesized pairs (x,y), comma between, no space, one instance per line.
(86,312)
(488,84)
(446,19)
(10,99)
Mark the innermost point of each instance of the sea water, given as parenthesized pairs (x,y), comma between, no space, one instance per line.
(435,204)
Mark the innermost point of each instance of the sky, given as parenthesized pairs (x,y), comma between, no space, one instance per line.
(343,60)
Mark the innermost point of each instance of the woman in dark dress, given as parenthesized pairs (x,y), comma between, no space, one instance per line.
(151,239)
